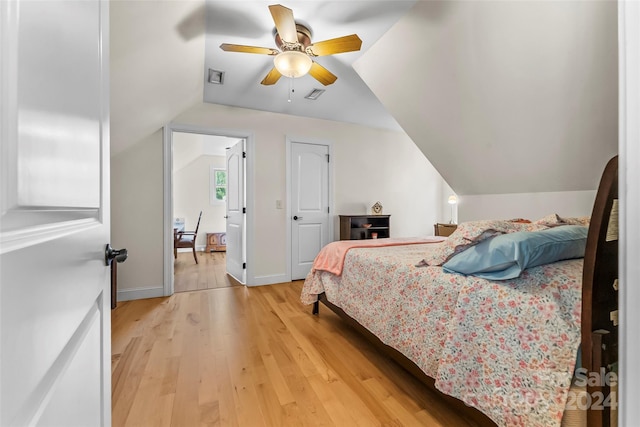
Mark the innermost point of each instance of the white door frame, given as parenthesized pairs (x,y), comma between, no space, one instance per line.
(629,176)
(168,194)
(305,140)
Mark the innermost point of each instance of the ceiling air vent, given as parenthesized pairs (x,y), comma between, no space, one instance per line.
(216,76)
(314,94)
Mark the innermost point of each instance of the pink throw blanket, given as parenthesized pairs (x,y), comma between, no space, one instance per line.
(331,257)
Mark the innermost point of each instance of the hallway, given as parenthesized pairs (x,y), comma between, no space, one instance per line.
(209,273)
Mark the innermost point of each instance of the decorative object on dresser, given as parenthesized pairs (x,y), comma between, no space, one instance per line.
(357,227)
(216,242)
(376,209)
(444,229)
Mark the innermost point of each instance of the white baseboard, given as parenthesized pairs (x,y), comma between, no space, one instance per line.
(140,293)
(269,280)
(198,249)
(181,250)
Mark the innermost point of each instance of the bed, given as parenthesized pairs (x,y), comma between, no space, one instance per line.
(510,351)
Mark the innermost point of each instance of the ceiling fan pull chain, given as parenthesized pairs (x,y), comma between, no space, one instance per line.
(291,90)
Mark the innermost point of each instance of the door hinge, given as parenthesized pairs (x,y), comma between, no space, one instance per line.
(244,154)
(328,211)
(244,210)
(328,161)
(244,265)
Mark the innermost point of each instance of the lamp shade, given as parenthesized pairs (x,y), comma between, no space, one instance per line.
(292,63)
(452,200)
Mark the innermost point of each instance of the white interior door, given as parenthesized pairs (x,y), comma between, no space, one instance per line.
(54,284)
(235,212)
(309,205)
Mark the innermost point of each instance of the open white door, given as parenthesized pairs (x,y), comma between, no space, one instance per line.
(235,212)
(309,205)
(54,285)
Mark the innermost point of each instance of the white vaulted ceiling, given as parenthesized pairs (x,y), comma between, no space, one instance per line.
(500,96)
(504,97)
(250,23)
(155,73)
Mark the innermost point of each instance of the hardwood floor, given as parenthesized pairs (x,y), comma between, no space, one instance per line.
(256,356)
(209,273)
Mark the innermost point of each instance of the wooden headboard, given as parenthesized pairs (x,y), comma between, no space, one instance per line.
(599,292)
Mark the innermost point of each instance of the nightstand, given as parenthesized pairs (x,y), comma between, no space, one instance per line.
(444,229)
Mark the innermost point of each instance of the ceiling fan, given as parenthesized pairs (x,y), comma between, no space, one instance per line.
(294,57)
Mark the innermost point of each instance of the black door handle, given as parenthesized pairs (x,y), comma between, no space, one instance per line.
(120,255)
(296,217)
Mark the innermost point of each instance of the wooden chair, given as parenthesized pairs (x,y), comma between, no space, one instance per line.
(186,239)
(444,229)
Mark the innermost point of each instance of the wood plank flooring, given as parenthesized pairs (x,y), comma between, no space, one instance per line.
(256,356)
(209,273)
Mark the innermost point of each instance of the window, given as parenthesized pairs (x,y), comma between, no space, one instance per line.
(218,191)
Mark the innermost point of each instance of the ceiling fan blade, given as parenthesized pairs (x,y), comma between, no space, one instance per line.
(248,49)
(271,78)
(285,24)
(321,74)
(338,45)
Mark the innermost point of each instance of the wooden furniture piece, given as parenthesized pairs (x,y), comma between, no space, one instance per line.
(444,229)
(186,239)
(216,242)
(599,323)
(352,227)
(600,298)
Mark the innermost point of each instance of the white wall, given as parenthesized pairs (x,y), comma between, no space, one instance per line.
(136,217)
(187,147)
(191,195)
(389,168)
(525,205)
(369,165)
(504,96)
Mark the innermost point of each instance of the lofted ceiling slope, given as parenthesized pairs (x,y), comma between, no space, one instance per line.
(156,73)
(161,52)
(501,97)
(504,97)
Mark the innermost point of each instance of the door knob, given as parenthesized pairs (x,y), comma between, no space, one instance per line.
(120,255)
(296,217)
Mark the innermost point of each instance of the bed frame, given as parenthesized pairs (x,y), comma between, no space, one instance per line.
(600,296)
(599,309)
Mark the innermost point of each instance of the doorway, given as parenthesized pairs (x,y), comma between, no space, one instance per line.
(195,169)
(310,199)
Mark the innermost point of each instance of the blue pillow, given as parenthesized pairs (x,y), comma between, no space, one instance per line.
(506,256)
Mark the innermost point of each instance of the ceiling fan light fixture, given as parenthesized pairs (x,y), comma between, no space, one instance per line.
(292,63)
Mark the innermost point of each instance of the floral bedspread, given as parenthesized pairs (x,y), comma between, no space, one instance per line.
(506,348)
